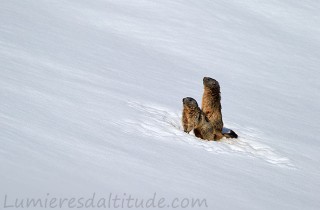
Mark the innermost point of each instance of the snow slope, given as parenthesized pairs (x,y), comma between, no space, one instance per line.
(91,100)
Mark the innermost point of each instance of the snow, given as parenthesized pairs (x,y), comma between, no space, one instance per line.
(91,100)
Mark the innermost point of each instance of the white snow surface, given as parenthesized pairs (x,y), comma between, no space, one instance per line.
(91,100)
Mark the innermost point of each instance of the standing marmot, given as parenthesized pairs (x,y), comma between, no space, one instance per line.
(194,118)
(211,106)
(211,102)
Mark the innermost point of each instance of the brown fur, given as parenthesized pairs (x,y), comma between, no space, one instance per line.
(211,106)
(194,119)
(211,103)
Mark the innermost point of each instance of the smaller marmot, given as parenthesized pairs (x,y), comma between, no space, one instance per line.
(194,119)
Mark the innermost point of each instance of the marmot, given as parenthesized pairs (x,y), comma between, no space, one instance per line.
(211,106)
(194,118)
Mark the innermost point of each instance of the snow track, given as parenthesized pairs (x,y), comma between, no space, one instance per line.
(161,123)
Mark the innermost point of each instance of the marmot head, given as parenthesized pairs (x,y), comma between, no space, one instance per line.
(211,83)
(190,103)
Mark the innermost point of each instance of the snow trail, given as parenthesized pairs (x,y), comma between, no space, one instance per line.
(159,122)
